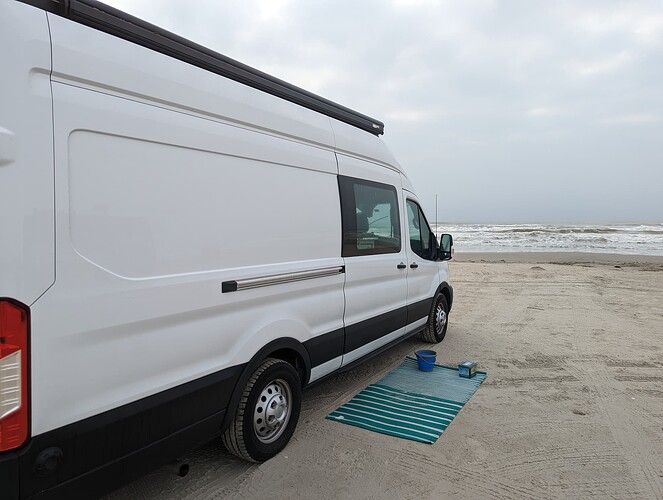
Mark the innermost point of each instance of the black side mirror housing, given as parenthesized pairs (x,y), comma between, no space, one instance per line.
(446,246)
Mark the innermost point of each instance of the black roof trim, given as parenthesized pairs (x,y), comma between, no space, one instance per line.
(104,18)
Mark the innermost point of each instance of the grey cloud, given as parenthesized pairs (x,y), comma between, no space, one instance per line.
(508,110)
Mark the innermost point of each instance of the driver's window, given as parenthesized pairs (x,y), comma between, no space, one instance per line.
(413,226)
(422,242)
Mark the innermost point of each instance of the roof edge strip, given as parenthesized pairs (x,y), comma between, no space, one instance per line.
(115,22)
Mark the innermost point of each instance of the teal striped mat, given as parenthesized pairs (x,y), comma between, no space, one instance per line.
(409,403)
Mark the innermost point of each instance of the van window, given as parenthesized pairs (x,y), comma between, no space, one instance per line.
(369,217)
(422,239)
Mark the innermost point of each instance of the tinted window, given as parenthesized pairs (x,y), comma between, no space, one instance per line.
(370,217)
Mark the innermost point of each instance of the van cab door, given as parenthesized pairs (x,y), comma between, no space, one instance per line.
(422,263)
(374,254)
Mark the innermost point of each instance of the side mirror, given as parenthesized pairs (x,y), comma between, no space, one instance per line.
(446,246)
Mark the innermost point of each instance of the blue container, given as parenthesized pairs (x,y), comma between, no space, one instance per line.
(426,360)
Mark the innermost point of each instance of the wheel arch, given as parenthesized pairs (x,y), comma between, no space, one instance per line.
(447,290)
(286,349)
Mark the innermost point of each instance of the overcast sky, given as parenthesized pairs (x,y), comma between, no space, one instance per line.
(509,111)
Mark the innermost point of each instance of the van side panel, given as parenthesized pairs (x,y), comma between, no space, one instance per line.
(26,154)
(89,58)
(141,207)
(157,207)
(371,148)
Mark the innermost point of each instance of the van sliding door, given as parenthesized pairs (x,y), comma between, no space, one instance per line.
(374,255)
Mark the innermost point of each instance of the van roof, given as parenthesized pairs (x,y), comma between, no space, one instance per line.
(102,17)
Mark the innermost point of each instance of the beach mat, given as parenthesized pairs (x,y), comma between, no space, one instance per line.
(409,403)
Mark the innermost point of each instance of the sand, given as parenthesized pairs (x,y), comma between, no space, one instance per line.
(572,407)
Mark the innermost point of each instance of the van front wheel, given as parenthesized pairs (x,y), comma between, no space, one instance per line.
(267,413)
(436,328)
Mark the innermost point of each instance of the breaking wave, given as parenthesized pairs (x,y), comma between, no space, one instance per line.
(644,239)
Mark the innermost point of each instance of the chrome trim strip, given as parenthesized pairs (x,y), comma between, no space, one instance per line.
(278,279)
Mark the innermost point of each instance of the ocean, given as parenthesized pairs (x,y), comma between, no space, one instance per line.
(638,239)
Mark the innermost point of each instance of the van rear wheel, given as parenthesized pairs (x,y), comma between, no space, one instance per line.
(438,319)
(267,413)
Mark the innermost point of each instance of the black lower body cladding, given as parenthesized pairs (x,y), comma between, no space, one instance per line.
(105,451)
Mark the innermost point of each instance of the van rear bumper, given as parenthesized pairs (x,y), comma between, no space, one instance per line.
(103,452)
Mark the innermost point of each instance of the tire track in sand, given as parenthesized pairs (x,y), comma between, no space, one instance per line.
(626,433)
(419,463)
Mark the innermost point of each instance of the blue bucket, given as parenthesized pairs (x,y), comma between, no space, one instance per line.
(426,360)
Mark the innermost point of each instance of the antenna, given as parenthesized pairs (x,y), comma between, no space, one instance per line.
(437,226)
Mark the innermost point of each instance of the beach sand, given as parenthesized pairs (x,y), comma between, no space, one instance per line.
(572,406)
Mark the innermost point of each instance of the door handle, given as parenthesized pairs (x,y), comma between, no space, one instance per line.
(414,265)
(401,266)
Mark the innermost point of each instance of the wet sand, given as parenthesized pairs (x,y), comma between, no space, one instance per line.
(561,258)
(572,406)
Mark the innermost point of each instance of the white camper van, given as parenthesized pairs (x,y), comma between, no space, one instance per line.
(187,242)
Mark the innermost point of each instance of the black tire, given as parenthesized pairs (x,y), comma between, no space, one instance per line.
(438,320)
(274,390)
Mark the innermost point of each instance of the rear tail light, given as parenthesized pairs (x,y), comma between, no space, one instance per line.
(13,374)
